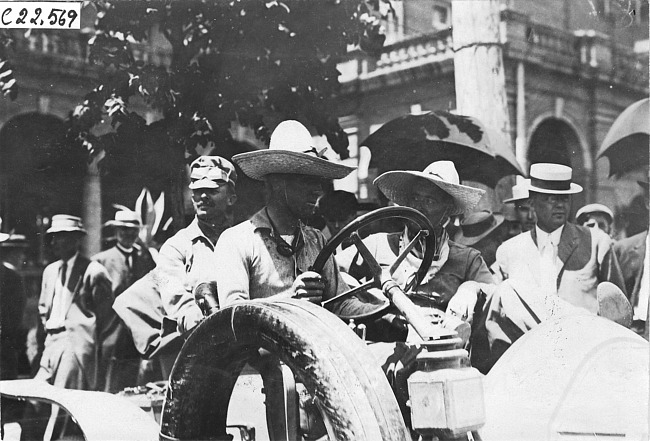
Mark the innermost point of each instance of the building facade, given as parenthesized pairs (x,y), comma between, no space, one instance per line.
(571,68)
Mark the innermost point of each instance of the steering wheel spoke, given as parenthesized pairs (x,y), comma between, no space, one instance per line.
(370,260)
(357,289)
(421,234)
(376,305)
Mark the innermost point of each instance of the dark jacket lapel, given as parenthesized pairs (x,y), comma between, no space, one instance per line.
(567,246)
(76,278)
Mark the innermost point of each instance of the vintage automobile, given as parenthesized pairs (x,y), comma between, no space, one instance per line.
(576,377)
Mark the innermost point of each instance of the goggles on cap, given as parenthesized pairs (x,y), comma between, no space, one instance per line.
(207,170)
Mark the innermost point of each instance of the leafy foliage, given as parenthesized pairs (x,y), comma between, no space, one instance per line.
(231,61)
(8,86)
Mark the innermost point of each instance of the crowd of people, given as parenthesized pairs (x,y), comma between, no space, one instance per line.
(107,318)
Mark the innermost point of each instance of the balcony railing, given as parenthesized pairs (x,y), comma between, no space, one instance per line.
(585,53)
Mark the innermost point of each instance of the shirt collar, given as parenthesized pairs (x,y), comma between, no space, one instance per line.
(195,231)
(543,237)
(124,250)
(70,262)
(260,220)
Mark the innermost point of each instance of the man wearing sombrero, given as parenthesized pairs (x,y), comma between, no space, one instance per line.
(437,193)
(125,262)
(75,310)
(269,255)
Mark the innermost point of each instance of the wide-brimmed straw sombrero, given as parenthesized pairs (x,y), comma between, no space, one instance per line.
(291,150)
(398,184)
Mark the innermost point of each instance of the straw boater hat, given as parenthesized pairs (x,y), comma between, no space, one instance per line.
(519,192)
(65,223)
(478,225)
(125,218)
(552,179)
(581,215)
(397,185)
(211,172)
(13,240)
(291,150)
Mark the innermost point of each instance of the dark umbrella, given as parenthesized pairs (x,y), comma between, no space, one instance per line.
(412,142)
(626,143)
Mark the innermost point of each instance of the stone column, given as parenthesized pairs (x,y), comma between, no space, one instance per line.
(479,69)
(92,210)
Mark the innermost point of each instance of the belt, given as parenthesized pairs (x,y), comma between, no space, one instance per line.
(55,330)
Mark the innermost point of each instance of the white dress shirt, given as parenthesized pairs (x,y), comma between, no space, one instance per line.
(61,298)
(550,264)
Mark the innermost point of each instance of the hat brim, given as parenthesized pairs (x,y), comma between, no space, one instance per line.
(10,240)
(207,183)
(66,230)
(471,240)
(513,200)
(260,163)
(114,223)
(573,189)
(397,184)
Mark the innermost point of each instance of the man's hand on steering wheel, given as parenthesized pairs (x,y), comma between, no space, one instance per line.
(309,286)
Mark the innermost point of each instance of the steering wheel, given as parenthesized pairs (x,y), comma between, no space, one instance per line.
(373,304)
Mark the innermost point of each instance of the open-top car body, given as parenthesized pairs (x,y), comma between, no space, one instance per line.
(575,377)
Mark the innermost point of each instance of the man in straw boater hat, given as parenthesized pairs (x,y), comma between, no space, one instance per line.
(524,212)
(126,262)
(75,310)
(269,254)
(552,270)
(188,258)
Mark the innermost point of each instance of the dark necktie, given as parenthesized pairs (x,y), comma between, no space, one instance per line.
(64,271)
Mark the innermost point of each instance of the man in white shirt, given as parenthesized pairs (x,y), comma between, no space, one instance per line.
(551,270)
(75,309)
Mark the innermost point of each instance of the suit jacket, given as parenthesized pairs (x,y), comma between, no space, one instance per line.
(12,333)
(88,313)
(114,261)
(631,253)
(587,259)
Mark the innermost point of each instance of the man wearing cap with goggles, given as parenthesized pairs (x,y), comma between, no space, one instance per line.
(189,257)
(269,255)
(126,262)
(75,310)
(554,269)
